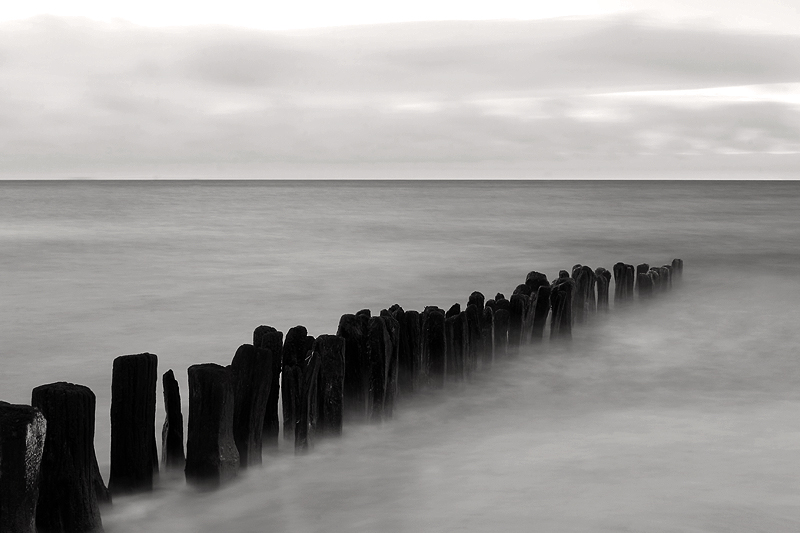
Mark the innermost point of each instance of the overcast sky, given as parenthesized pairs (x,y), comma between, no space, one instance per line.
(110,89)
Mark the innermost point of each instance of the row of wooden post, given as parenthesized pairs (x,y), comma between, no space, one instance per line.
(49,477)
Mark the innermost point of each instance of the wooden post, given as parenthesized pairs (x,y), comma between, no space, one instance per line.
(677,269)
(353,329)
(70,486)
(392,362)
(487,337)
(172,455)
(433,345)
(22,436)
(540,311)
(294,354)
(474,318)
(501,319)
(251,378)
(561,301)
(379,350)
(516,318)
(309,403)
(412,328)
(330,349)
(211,454)
(269,338)
(603,278)
(134,456)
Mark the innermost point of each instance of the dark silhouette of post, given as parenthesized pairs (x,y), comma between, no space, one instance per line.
(433,345)
(172,455)
(501,319)
(251,377)
(487,337)
(309,402)
(134,456)
(330,349)
(412,331)
(541,309)
(211,454)
(269,338)
(561,302)
(516,320)
(353,329)
(294,354)
(379,348)
(603,278)
(22,436)
(392,362)
(70,487)
(474,318)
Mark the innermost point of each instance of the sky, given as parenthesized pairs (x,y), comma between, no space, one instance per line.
(146,89)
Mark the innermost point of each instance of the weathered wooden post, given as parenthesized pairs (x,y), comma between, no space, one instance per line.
(392,363)
(516,316)
(583,300)
(412,329)
(70,487)
(603,278)
(269,338)
(487,337)
(677,269)
(643,268)
(353,329)
(134,456)
(331,351)
(294,354)
(524,290)
(22,436)
(501,320)
(665,273)
(620,282)
(211,454)
(478,300)
(561,301)
(474,318)
(379,348)
(454,342)
(251,378)
(172,455)
(309,403)
(433,345)
(540,311)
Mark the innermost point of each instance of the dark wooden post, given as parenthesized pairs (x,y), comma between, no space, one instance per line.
(603,278)
(251,377)
(540,311)
(172,455)
(677,269)
(379,347)
(433,345)
(309,403)
(583,300)
(478,300)
(561,301)
(211,454)
(620,282)
(22,435)
(294,354)
(134,455)
(70,486)
(330,349)
(642,268)
(474,318)
(501,319)
(412,324)
(269,338)
(353,329)
(392,362)
(516,318)
(487,337)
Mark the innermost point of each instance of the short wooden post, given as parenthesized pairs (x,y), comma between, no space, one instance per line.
(516,319)
(353,329)
(540,311)
(251,378)
(392,362)
(294,354)
(501,320)
(309,403)
(22,436)
(474,318)
(330,349)
(561,301)
(379,348)
(269,338)
(211,454)
(433,345)
(412,329)
(603,278)
(487,337)
(70,487)
(134,456)
(172,455)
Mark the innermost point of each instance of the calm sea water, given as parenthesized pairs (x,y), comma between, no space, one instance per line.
(681,415)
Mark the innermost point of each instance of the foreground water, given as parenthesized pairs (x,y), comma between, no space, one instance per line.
(681,415)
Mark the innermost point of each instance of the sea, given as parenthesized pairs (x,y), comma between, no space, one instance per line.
(679,414)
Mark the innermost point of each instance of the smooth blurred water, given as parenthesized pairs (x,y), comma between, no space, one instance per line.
(680,415)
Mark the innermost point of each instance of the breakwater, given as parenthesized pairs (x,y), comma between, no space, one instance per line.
(332,379)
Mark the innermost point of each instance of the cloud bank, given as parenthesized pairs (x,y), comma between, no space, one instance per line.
(86,98)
